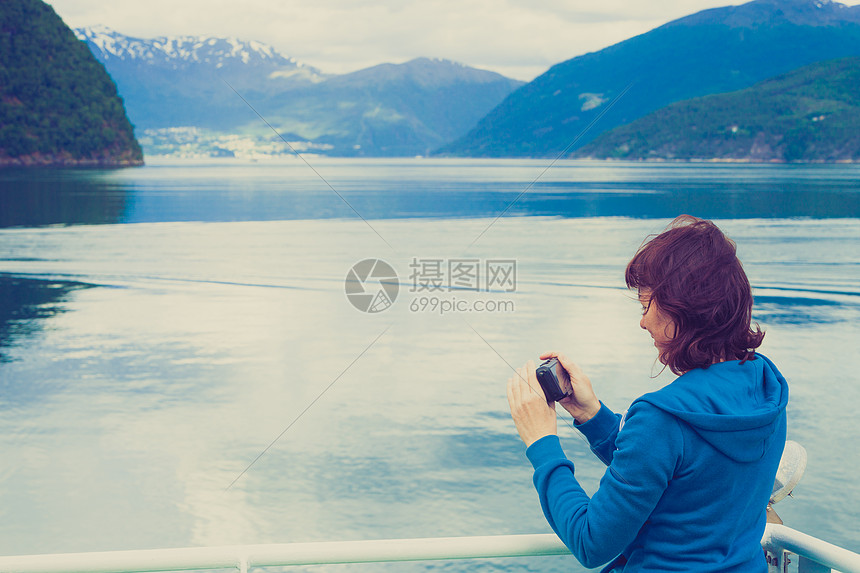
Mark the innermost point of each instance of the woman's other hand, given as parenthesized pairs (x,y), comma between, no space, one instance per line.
(582,404)
(533,416)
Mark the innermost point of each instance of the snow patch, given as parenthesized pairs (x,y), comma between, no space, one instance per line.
(218,51)
(591,100)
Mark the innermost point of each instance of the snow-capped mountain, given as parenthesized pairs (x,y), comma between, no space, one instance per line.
(172,82)
(185,52)
(179,89)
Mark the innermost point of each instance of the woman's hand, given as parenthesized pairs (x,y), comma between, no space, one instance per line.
(533,416)
(582,404)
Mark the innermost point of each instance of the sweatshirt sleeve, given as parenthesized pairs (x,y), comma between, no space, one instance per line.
(601,431)
(598,529)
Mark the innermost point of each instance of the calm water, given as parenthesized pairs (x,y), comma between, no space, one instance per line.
(160,327)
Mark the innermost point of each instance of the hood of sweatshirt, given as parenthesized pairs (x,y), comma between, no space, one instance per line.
(734,407)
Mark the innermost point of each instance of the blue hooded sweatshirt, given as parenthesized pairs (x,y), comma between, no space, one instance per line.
(691,470)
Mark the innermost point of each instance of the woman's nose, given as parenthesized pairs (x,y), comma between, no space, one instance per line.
(642,323)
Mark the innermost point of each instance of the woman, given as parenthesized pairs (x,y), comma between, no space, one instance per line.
(692,465)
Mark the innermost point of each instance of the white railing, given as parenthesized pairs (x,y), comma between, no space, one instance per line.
(815,555)
(318,553)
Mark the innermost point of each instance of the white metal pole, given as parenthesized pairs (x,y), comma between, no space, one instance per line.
(833,556)
(243,557)
(287,554)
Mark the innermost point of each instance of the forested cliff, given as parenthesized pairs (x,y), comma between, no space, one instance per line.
(58,105)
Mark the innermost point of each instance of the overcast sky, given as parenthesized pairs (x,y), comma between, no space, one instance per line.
(517,38)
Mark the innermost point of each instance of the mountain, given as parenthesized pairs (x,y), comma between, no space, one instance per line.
(247,59)
(387,110)
(714,51)
(392,109)
(811,114)
(58,106)
(169,82)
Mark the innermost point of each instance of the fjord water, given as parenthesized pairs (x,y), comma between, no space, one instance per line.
(161,327)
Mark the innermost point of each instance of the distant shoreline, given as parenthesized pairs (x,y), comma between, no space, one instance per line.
(63,160)
(52,161)
(725,160)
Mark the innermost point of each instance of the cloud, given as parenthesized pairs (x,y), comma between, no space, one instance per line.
(518,38)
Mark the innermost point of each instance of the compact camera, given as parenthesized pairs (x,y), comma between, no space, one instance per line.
(546,375)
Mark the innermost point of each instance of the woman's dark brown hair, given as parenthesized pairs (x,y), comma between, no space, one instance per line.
(692,272)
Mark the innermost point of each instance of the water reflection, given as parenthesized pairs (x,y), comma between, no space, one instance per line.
(794,310)
(24,304)
(420,189)
(38,197)
(719,200)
